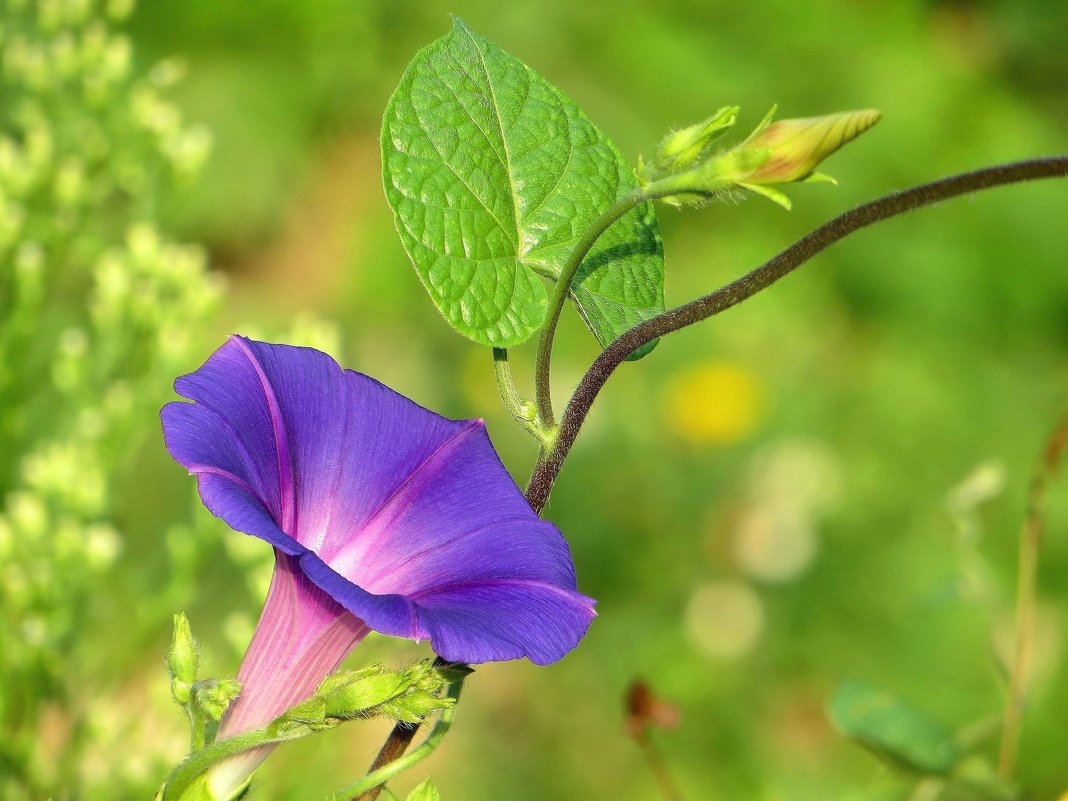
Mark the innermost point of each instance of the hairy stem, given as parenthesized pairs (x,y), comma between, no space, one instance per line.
(1026,598)
(542,364)
(548,467)
(392,749)
(543,393)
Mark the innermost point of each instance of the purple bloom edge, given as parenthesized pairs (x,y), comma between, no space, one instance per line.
(405,518)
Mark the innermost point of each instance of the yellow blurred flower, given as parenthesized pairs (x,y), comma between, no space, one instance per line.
(715,402)
(725,619)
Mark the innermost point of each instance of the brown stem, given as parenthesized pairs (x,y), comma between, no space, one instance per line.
(669,791)
(395,745)
(548,467)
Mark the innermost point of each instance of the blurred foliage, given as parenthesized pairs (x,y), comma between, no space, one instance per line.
(98,311)
(849,508)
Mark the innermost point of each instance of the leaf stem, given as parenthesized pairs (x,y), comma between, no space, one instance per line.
(1026,596)
(543,392)
(382,770)
(548,466)
(611,215)
(524,412)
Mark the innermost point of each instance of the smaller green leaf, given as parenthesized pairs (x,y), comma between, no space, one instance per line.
(425,791)
(893,730)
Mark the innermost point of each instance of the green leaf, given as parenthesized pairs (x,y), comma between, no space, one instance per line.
(493,175)
(424,791)
(893,730)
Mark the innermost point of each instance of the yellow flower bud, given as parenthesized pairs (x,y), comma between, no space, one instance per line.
(796,147)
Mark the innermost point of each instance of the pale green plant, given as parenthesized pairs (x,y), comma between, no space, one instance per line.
(98,310)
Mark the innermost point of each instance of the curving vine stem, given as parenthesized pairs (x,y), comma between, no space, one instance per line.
(548,467)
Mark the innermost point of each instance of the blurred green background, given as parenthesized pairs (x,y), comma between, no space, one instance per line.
(827,482)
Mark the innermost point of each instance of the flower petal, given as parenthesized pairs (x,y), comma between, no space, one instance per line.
(409,520)
(490,620)
(228,477)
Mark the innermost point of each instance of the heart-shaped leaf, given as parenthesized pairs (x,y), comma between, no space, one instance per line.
(493,175)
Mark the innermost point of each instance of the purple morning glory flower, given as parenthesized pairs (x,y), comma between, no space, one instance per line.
(384,516)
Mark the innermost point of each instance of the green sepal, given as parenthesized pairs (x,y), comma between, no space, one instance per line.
(765,122)
(356,694)
(424,791)
(414,706)
(307,717)
(410,694)
(452,672)
(819,178)
(772,194)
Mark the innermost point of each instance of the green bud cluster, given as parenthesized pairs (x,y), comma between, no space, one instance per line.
(97,312)
(681,150)
(213,697)
(774,153)
(410,694)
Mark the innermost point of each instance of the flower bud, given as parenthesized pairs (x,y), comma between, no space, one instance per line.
(680,150)
(796,147)
(213,697)
(353,694)
(183,659)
